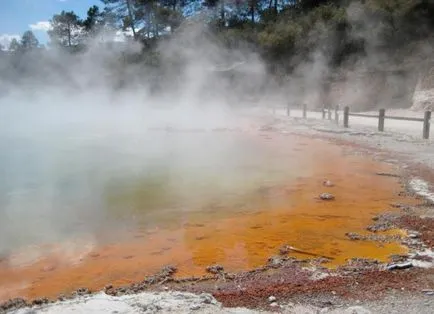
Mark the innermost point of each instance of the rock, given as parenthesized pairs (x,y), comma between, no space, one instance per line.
(285,249)
(400,266)
(414,235)
(207,299)
(215,269)
(428,291)
(48,268)
(353,236)
(61,297)
(399,258)
(318,276)
(326,197)
(13,304)
(195,307)
(275,261)
(40,301)
(274,304)
(381,225)
(272,299)
(168,270)
(81,292)
(328,183)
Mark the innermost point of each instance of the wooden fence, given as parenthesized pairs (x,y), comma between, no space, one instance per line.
(381,117)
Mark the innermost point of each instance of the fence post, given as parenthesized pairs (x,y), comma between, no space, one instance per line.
(304,111)
(381,115)
(287,110)
(337,114)
(329,114)
(426,124)
(323,112)
(346,116)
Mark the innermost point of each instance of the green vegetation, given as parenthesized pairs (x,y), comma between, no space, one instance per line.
(285,33)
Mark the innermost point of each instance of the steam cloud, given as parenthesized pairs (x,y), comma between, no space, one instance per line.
(91,113)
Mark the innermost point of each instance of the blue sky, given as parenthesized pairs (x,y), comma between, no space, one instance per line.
(17,16)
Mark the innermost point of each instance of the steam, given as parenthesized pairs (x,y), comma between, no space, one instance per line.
(79,133)
(73,124)
(383,75)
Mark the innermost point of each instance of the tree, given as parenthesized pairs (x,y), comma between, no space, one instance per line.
(14,46)
(93,21)
(98,23)
(125,11)
(29,41)
(219,8)
(175,11)
(66,29)
(156,16)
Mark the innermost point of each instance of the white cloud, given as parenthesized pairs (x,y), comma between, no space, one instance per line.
(40,26)
(5,39)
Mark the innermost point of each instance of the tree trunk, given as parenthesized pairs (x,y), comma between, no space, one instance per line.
(148,24)
(222,12)
(131,17)
(252,11)
(155,26)
(69,34)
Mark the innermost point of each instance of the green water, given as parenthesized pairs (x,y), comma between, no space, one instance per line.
(56,187)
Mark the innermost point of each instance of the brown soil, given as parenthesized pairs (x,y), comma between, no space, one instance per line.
(425,226)
(371,285)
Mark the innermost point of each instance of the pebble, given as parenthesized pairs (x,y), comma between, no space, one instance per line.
(272,299)
(328,183)
(215,269)
(399,266)
(195,307)
(40,301)
(428,292)
(274,304)
(414,235)
(48,268)
(327,197)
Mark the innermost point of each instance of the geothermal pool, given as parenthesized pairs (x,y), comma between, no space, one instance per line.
(91,210)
